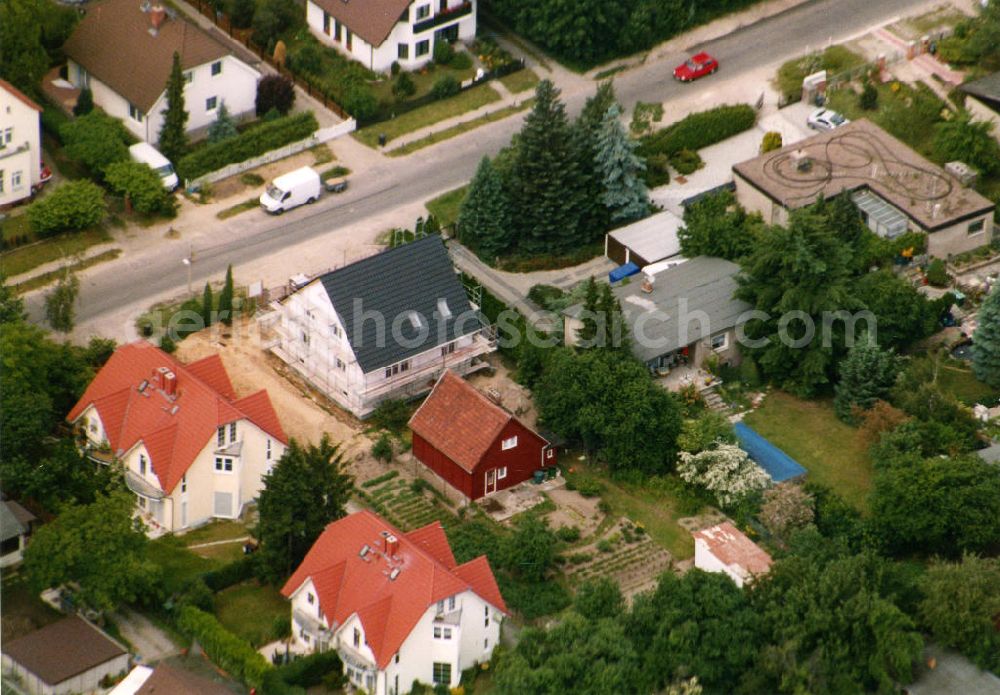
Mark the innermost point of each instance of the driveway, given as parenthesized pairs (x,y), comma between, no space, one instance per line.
(150,644)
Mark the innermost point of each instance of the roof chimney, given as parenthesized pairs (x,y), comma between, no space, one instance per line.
(391,545)
(170,383)
(157,15)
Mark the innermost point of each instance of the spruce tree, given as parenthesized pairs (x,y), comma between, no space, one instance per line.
(224,127)
(226,299)
(866,376)
(84,102)
(625,192)
(173,133)
(616,333)
(586,130)
(986,341)
(484,220)
(546,179)
(586,336)
(207,305)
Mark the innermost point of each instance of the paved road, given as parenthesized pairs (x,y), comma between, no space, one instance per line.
(398,182)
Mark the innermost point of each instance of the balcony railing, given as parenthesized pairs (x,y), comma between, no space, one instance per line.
(443,17)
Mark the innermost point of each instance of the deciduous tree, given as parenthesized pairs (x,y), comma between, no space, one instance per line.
(60,303)
(717,225)
(305,491)
(173,133)
(726,471)
(787,507)
(142,186)
(22,56)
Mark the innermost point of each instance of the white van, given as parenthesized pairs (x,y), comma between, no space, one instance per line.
(147,154)
(291,190)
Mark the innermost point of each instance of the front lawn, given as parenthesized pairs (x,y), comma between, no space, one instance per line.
(520,81)
(32,255)
(178,564)
(834,60)
(436,111)
(423,81)
(217,530)
(250,611)
(447,205)
(810,433)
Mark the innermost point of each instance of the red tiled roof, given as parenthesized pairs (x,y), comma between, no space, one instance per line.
(348,584)
(732,547)
(18,94)
(459,421)
(173,429)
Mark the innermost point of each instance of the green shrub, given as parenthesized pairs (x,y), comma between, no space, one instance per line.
(361,103)
(543,295)
(605,546)
(937,274)
(385,477)
(281,628)
(307,671)
(461,61)
(394,68)
(444,87)
(167,344)
(404,86)
(868,99)
(197,594)
(392,414)
(444,52)
(73,206)
(699,130)
(686,162)
(382,449)
(142,186)
(228,651)
(568,534)
(251,179)
(749,372)
(230,574)
(251,143)
(53,121)
(309,58)
(588,487)
(96,140)
(643,117)
(657,170)
(772,141)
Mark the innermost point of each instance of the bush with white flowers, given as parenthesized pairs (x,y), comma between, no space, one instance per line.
(726,471)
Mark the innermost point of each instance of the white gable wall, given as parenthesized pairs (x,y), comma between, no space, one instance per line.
(20,165)
(705,559)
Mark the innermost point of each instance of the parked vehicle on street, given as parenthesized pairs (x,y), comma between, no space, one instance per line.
(696,66)
(337,184)
(291,190)
(147,154)
(825,119)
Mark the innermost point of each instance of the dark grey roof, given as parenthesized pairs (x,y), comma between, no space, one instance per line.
(398,285)
(703,284)
(10,525)
(985,87)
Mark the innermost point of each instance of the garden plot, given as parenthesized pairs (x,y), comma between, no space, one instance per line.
(626,555)
(407,505)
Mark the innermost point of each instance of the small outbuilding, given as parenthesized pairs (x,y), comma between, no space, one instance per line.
(15,527)
(472,442)
(724,548)
(167,680)
(644,242)
(69,656)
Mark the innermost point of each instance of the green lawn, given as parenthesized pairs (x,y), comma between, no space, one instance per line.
(460,128)
(446,206)
(178,564)
(423,80)
(834,60)
(469,100)
(218,530)
(961,383)
(48,278)
(810,433)
(656,510)
(25,258)
(250,611)
(520,81)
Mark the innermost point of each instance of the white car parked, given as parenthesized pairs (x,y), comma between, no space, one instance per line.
(825,119)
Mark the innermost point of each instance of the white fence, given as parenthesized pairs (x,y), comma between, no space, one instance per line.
(320,136)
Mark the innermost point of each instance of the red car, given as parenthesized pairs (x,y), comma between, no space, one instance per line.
(695,67)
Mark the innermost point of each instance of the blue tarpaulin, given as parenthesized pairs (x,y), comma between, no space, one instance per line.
(779,465)
(622,272)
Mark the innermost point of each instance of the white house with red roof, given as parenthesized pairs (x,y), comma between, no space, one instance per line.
(724,548)
(395,606)
(192,451)
(20,144)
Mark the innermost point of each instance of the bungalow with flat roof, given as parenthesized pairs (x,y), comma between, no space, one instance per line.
(895,188)
(682,314)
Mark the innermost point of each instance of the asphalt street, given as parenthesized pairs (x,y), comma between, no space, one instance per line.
(403,181)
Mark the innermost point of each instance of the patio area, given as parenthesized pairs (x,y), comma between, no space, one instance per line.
(682,376)
(504,504)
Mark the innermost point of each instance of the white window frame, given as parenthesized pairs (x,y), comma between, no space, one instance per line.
(550,453)
(723,346)
(15,181)
(501,472)
(220,436)
(981,227)
(221,463)
(134,113)
(216,68)
(184,483)
(8,135)
(425,45)
(423,12)
(508,443)
(211,104)
(189,77)
(268,457)
(451,603)
(142,464)
(232,432)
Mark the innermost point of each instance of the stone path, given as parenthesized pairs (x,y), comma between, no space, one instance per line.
(149,642)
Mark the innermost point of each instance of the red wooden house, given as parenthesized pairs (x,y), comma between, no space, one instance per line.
(473,443)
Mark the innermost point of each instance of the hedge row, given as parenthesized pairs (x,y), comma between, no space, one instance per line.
(699,130)
(230,574)
(248,144)
(380,479)
(303,672)
(228,651)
